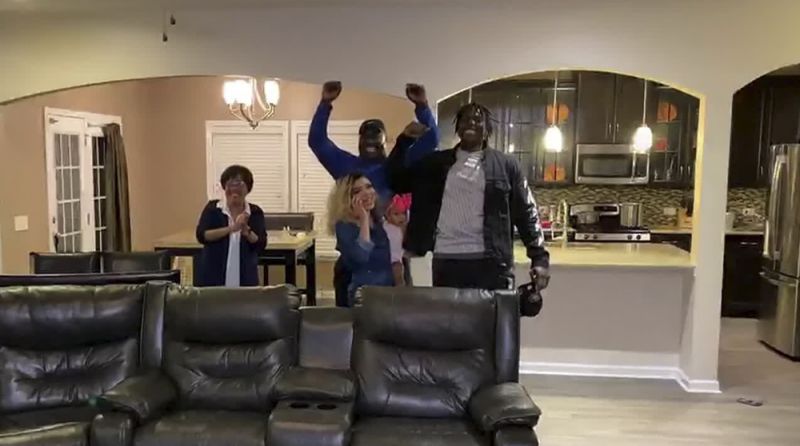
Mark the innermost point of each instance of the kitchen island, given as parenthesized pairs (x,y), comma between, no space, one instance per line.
(612,309)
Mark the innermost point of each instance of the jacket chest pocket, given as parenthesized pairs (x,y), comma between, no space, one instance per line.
(497,197)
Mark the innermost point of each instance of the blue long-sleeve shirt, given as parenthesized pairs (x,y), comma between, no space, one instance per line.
(370,262)
(339,162)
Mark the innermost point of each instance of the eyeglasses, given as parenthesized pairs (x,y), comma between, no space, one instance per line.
(234,183)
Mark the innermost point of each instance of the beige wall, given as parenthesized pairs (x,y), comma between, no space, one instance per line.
(164,128)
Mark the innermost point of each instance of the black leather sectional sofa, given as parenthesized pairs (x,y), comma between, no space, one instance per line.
(159,364)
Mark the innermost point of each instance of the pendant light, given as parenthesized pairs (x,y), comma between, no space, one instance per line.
(643,137)
(553,139)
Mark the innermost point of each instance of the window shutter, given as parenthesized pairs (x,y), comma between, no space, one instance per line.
(313,183)
(265,151)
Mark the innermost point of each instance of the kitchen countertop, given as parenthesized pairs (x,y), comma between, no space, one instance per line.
(677,230)
(626,255)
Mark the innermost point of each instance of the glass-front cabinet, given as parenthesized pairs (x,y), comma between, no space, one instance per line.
(591,108)
(522,110)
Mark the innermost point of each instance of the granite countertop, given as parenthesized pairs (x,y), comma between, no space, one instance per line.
(742,230)
(624,255)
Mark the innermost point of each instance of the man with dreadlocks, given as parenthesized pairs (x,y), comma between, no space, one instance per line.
(465,202)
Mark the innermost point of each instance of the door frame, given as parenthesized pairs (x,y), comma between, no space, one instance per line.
(91,122)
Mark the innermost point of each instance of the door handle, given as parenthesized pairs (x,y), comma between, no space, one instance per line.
(775,281)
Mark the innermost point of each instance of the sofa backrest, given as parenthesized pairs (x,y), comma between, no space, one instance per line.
(423,352)
(140,261)
(225,348)
(61,345)
(65,263)
(326,337)
(89,278)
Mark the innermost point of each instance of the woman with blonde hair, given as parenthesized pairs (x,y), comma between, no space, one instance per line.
(360,237)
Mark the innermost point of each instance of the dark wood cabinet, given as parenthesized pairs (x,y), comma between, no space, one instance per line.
(596,103)
(747,123)
(741,280)
(765,112)
(609,107)
(629,97)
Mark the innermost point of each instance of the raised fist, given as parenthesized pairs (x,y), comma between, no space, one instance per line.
(415,130)
(416,94)
(331,91)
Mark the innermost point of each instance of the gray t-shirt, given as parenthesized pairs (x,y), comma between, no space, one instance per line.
(459,233)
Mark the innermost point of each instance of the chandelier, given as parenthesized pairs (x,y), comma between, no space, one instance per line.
(247,103)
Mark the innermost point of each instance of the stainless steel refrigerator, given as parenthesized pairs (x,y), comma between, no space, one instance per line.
(779,319)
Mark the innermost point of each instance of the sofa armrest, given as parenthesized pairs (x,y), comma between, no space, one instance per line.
(506,404)
(143,396)
(302,383)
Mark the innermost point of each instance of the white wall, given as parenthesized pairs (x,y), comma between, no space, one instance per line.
(707,47)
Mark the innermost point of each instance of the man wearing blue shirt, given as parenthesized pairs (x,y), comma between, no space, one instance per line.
(371,159)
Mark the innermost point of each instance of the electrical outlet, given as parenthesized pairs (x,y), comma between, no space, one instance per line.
(749,212)
(670,212)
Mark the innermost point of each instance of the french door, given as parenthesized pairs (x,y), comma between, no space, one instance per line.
(75,155)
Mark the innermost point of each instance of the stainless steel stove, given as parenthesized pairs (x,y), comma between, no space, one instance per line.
(608,222)
(623,236)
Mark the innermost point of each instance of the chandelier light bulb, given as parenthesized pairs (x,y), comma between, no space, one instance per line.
(272,92)
(229,93)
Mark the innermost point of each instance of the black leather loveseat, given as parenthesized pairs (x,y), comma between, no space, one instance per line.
(248,367)
(59,347)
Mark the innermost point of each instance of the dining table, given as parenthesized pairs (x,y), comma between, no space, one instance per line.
(288,248)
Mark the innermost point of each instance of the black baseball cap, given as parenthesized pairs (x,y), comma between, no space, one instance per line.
(371,124)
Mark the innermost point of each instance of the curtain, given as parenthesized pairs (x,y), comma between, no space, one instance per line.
(118,218)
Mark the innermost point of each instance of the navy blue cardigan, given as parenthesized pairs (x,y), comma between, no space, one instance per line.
(214,258)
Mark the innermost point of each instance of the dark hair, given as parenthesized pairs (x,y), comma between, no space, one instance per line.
(237,171)
(485,112)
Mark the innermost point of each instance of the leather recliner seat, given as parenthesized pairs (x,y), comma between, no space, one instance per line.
(221,353)
(60,346)
(440,367)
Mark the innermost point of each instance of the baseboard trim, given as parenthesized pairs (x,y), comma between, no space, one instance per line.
(618,371)
(697,385)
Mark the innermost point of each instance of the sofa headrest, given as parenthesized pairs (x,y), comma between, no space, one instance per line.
(231,315)
(173,276)
(57,317)
(426,318)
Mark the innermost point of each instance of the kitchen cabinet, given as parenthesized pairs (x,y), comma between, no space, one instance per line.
(609,108)
(747,120)
(741,280)
(765,112)
(673,117)
(742,266)
(521,112)
(596,96)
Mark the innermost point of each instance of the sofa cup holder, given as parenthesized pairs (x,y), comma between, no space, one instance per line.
(320,406)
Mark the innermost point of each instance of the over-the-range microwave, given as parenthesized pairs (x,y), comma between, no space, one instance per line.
(611,164)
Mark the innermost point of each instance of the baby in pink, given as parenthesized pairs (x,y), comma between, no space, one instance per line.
(395,227)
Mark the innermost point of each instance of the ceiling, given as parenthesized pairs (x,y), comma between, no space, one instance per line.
(66,6)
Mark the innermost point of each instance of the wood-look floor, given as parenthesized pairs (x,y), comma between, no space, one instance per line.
(624,412)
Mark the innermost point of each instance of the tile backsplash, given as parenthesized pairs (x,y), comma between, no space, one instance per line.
(653,200)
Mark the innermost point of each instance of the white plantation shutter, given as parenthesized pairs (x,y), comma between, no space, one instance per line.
(313,183)
(265,151)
